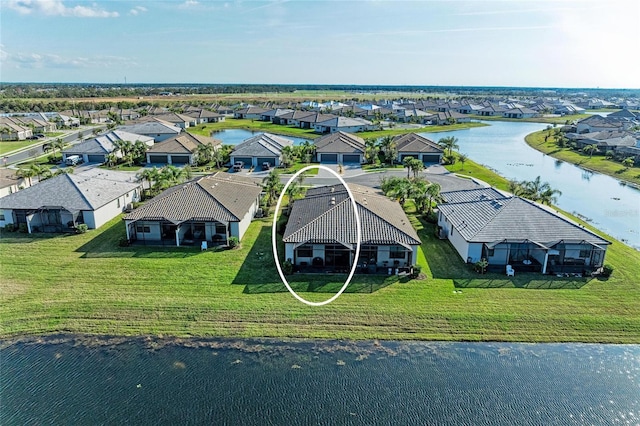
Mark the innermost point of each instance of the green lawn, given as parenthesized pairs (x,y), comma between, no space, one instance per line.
(596,163)
(9,146)
(88,284)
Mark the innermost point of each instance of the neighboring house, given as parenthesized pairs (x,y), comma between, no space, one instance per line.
(293,118)
(252,112)
(321,230)
(625,114)
(344,124)
(310,121)
(262,148)
(596,123)
(179,120)
(509,230)
(492,111)
(205,116)
(276,115)
(9,131)
(469,108)
(95,150)
(411,115)
(211,208)
(57,204)
(10,183)
(159,130)
(340,147)
(606,140)
(416,146)
(519,113)
(180,149)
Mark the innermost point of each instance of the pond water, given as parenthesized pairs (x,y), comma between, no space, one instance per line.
(599,199)
(64,380)
(236,136)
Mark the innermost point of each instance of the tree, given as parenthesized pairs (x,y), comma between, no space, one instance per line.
(139,152)
(449,143)
(27,173)
(204,154)
(462,158)
(407,163)
(433,195)
(389,149)
(41,172)
(539,191)
(272,186)
(589,149)
(370,150)
(148,175)
(288,156)
(549,195)
(397,188)
(111,159)
(57,144)
(627,162)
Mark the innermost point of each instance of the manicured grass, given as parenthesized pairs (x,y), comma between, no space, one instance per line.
(9,146)
(471,169)
(596,163)
(88,284)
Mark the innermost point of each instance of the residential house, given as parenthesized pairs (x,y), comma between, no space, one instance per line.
(211,208)
(410,115)
(492,111)
(10,183)
(416,146)
(92,197)
(276,115)
(596,123)
(9,131)
(182,121)
(508,230)
(293,118)
(259,149)
(519,113)
(321,231)
(340,147)
(310,121)
(180,149)
(251,112)
(159,130)
(344,124)
(469,108)
(97,149)
(202,115)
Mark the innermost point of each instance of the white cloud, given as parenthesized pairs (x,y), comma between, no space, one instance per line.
(45,61)
(189,4)
(58,8)
(137,10)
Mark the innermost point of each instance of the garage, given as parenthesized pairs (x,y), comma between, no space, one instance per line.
(262,160)
(431,158)
(95,158)
(179,159)
(351,158)
(328,158)
(158,159)
(246,160)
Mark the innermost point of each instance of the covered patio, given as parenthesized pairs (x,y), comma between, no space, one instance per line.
(164,232)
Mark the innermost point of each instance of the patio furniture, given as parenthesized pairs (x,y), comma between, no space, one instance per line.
(204,246)
(510,271)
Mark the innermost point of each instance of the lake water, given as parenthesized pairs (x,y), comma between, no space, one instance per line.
(601,200)
(236,136)
(64,380)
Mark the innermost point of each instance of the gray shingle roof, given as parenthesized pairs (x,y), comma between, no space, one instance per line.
(104,144)
(339,142)
(412,142)
(185,143)
(151,128)
(324,216)
(214,197)
(475,194)
(514,218)
(73,192)
(262,145)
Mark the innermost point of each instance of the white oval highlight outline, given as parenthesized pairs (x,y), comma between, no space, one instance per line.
(358,236)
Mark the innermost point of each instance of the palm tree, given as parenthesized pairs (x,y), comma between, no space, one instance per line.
(515,187)
(26,174)
(41,172)
(449,143)
(370,150)
(589,149)
(287,157)
(462,158)
(111,159)
(549,195)
(419,193)
(56,144)
(272,186)
(397,188)
(204,153)
(148,175)
(407,162)
(433,195)
(139,152)
(389,149)
(627,162)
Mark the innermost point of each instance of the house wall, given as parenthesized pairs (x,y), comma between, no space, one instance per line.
(500,255)
(288,252)
(243,225)
(8,190)
(110,210)
(154,233)
(8,217)
(459,243)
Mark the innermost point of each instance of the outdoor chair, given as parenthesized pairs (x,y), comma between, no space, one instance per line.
(204,246)
(510,271)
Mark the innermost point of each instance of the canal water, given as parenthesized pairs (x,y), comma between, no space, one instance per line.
(236,136)
(66,380)
(599,199)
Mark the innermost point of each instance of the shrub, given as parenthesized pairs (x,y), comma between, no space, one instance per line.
(431,217)
(23,228)
(124,242)
(415,271)
(9,227)
(233,242)
(81,228)
(287,267)
(607,270)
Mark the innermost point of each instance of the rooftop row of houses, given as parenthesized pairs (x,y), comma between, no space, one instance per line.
(481,223)
(617,132)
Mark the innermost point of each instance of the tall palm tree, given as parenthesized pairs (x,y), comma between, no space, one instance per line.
(40,171)
(204,153)
(549,195)
(449,143)
(407,162)
(148,175)
(433,195)
(462,158)
(27,173)
(397,188)
(589,149)
(272,186)
(57,144)
(370,150)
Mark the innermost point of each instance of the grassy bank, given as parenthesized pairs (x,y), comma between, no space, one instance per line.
(9,146)
(263,126)
(88,284)
(597,163)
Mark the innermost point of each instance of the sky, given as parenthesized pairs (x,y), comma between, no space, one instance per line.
(559,43)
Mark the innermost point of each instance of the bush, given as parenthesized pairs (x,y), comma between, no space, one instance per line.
(124,242)
(9,227)
(81,228)
(233,242)
(415,271)
(287,267)
(23,228)
(607,270)
(431,217)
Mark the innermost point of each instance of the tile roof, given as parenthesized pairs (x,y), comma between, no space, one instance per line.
(104,144)
(514,219)
(262,145)
(326,215)
(339,142)
(73,191)
(475,194)
(412,142)
(214,197)
(344,122)
(151,127)
(184,143)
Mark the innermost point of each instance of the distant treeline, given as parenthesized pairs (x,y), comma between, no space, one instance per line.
(78,90)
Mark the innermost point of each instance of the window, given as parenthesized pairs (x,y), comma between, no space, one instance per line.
(368,254)
(490,252)
(305,251)
(142,228)
(396,252)
(118,201)
(221,228)
(1,214)
(585,253)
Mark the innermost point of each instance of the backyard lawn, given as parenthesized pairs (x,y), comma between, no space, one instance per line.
(87,283)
